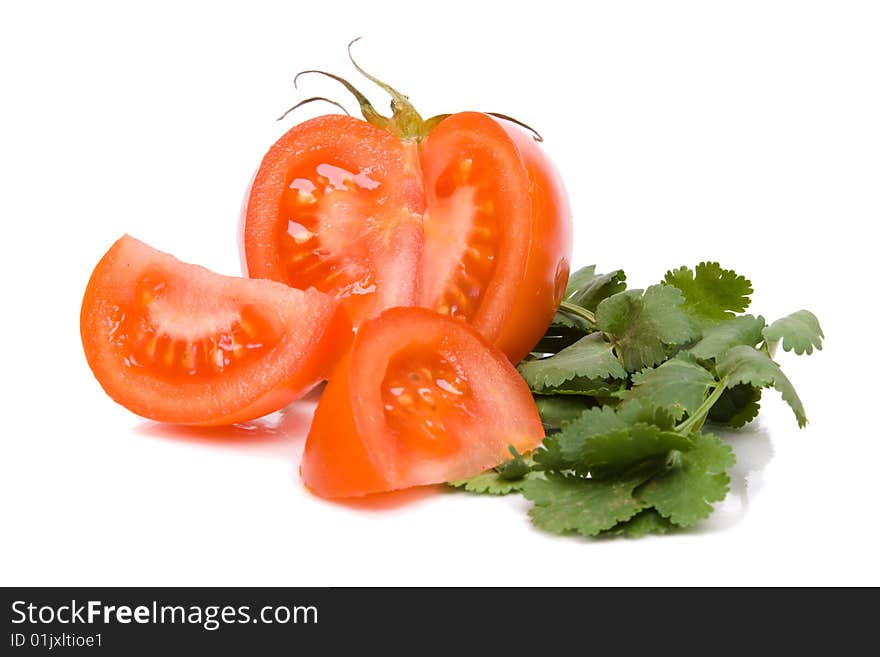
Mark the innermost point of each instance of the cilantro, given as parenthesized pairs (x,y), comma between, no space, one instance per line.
(514,469)
(645,522)
(587,289)
(626,384)
(711,293)
(583,386)
(566,503)
(748,365)
(601,441)
(737,406)
(548,457)
(563,319)
(557,410)
(643,324)
(490,482)
(589,357)
(742,330)
(799,331)
(678,386)
(691,481)
(508,477)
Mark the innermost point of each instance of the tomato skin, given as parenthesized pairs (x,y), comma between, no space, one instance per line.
(311,330)
(548,264)
(531,232)
(535,231)
(354,449)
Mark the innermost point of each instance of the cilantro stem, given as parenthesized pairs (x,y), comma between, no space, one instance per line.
(577,311)
(695,421)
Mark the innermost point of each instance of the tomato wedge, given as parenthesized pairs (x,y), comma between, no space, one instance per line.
(460,213)
(175,342)
(420,399)
(335,206)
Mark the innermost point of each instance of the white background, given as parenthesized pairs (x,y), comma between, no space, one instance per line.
(744,132)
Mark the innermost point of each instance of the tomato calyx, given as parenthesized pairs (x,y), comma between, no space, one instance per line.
(405,121)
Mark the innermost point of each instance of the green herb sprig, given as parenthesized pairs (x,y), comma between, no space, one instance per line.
(625,380)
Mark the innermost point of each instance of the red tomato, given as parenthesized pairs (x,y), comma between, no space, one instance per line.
(177,343)
(334,206)
(463,214)
(419,399)
(497,230)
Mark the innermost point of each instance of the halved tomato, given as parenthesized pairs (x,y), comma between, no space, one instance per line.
(175,342)
(335,205)
(497,230)
(461,213)
(419,399)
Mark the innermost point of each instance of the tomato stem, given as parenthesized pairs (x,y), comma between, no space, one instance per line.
(367,110)
(405,121)
(312,100)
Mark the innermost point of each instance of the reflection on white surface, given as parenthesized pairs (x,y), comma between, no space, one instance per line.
(275,435)
(754,451)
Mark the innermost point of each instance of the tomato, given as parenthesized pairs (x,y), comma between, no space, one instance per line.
(420,398)
(497,230)
(177,343)
(461,213)
(334,206)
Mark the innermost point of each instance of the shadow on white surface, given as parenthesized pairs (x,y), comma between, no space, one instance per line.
(277,434)
(754,452)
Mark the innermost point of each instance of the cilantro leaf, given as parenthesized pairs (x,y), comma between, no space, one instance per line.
(583,387)
(640,410)
(589,357)
(603,443)
(741,330)
(557,410)
(578,279)
(548,457)
(564,503)
(643,324)
(745,364)
(684,491)
(514,469)
(678,385)
(563,319)
(737,406)
(799,331)
(557,338)
(587,289)
(644,522)
(711,293)
(490,483)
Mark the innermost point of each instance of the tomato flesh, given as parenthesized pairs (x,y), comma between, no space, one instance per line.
(333,207)
(177,343)
(473,222)
(497,230)
(421,398)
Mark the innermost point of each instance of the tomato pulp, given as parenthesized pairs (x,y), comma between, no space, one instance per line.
(463,214)
(175,342)
(419,399)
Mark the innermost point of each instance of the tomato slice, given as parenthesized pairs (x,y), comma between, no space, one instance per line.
(177,343)
(420,399)
(497,230)
(336,205)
